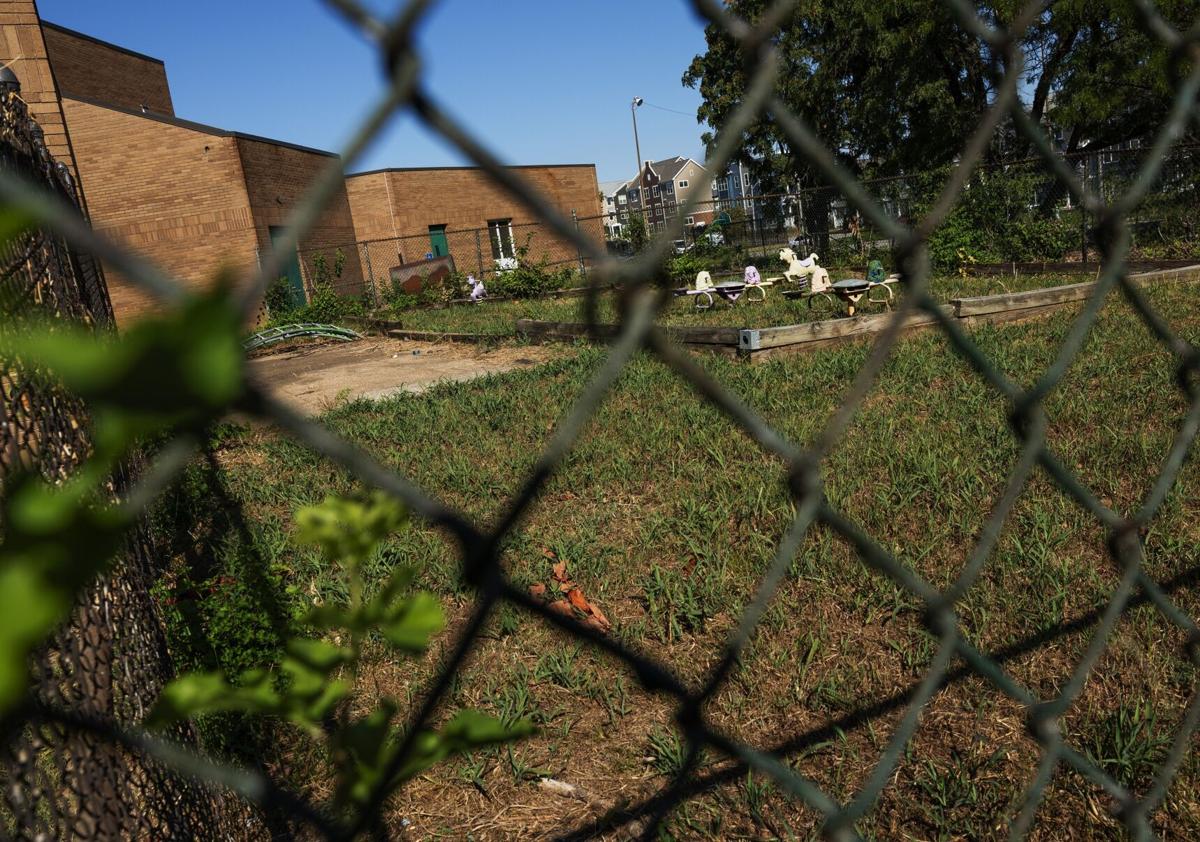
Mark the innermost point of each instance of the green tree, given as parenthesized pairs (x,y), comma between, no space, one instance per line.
(897,87)
(637,232)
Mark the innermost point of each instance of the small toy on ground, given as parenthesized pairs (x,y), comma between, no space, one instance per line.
(478,292)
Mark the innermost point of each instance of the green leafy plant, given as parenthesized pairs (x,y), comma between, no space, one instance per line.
(1128,744)
(675,604)
(529,278)
(636,232)
(317,673)
(279,299)
(449,288)
(325,304)
(170,374)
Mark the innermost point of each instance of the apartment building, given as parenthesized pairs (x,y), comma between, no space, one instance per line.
(661,187)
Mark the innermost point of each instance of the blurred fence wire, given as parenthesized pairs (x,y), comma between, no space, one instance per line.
(69,717)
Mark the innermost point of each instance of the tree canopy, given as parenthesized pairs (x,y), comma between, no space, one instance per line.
(897,86)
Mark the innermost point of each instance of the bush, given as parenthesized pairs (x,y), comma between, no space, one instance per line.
(279,299)
(706,257)
(325,305)
(450,288)
(999,218)
(224,602)
(636,232)
(529,279)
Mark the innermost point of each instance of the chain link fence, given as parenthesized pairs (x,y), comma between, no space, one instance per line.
(95,781)
(406,265)
(108,664)
(1014,212)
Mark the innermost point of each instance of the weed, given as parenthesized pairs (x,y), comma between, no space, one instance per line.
(674,605)
(1127,745)
(667,752)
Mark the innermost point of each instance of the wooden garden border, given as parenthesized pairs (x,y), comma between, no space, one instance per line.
(758,343)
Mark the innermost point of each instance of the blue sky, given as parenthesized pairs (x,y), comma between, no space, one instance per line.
(541,81)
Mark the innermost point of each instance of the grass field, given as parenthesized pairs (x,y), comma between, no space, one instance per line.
(667,517)
(499,317)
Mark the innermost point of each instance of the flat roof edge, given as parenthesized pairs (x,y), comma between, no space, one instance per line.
(191,125)
(435,169)
(102,42)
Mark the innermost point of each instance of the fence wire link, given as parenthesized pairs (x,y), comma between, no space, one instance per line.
(481,548)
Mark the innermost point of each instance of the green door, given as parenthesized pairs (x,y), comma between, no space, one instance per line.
(438,246)
(291,269)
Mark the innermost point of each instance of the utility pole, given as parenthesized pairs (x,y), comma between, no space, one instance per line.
(642,198)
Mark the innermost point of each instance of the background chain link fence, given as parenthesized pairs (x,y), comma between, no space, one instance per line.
(1108,216)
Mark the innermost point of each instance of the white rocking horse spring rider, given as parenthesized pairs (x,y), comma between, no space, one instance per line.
(806,272)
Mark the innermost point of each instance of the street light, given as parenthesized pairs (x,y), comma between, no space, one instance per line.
(637,102)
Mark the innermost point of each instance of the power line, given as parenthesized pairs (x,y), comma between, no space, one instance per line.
(670,110)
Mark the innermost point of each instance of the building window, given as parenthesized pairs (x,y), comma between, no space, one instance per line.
(501,235)
(654,190)
(683,184)
(689,220)
(745,179)
(621,199)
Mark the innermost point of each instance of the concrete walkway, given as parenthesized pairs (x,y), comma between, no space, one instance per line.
(315,378)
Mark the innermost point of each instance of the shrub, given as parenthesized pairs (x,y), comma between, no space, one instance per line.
(325,305)
(279,299)
(999,218)
(529,279)
(636,232)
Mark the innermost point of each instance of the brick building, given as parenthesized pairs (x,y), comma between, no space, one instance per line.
(460,212)
(196,199)
(192,198)
(23,48)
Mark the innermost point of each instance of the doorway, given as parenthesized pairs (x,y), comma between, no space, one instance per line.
(291,268)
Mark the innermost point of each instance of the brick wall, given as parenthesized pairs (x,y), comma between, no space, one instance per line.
(404,203)
(278,177)
(171,193)
(90,69)
(21,36)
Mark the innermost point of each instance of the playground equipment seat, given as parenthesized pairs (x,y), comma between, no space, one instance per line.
(879,281)
(754,281)
(805,272)
(478,292)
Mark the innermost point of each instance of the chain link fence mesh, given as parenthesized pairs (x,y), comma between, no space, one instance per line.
(93,781)
(110,661)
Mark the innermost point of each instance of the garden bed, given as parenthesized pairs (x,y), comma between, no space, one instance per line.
(500,318)
(667,516)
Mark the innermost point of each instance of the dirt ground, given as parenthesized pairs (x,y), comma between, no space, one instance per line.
(315,377)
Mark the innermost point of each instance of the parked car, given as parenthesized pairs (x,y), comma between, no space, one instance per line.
(681,246)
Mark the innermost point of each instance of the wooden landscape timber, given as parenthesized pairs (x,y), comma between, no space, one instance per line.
(437,336)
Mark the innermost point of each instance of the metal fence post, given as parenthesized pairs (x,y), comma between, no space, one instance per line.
(366,247)
(1083,255)
(578,252)
(478,255)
